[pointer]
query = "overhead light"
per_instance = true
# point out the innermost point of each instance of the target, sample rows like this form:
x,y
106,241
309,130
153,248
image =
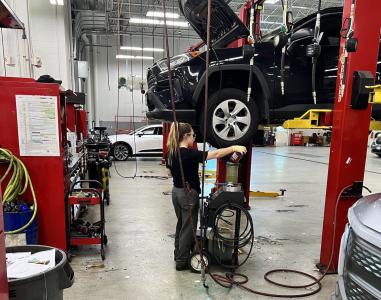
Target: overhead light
x,y
121,56
57,2
160,14
271,1
303,7
158,22
153,49
270,22
141,49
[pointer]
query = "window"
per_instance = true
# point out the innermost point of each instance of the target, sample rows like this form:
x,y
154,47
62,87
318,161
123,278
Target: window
x,y
148,131
159,130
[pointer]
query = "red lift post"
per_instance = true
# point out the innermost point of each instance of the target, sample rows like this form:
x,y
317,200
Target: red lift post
x,y
166,128
350,127
245,163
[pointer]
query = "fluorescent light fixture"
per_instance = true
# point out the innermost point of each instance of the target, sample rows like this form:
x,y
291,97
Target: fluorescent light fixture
x,y
148,21
153,49
131,48
141,49
270,22
121,56
160,14
271,1
57,2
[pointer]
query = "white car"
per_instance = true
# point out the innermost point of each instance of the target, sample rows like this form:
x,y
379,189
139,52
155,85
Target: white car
x,y
147,141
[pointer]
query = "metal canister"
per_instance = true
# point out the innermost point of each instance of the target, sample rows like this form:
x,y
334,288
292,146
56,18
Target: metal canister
x,y
232,172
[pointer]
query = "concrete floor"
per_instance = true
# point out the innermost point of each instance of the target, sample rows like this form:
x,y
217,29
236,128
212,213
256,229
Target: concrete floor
x,y
141,222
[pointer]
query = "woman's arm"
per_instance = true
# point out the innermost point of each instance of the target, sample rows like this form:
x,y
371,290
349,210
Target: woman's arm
x,y
219,153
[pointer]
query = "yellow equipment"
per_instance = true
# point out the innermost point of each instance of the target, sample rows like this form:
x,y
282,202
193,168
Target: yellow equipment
x,y
309,120
375,95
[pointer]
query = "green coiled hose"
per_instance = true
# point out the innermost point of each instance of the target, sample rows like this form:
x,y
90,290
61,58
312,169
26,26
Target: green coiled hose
x,y
17,185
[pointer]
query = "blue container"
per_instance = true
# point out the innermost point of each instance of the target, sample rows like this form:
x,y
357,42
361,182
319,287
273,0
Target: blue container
x,y
16,220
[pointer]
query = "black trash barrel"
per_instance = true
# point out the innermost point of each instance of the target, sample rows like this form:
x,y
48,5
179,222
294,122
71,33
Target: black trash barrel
x,y
47,285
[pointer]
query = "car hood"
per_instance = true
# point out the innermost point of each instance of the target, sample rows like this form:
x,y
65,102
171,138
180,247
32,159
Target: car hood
x,y
226,27
368,211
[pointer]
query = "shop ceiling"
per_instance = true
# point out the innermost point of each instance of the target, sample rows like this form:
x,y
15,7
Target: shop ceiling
x,y
101,17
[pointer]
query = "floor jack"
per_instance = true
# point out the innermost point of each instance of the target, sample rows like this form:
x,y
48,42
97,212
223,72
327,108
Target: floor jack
x,y
226,232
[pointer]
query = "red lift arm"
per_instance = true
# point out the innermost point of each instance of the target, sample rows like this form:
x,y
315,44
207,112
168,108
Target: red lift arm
x,y
350,127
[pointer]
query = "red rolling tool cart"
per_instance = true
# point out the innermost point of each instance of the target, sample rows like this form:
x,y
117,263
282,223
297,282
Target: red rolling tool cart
x,y
80,233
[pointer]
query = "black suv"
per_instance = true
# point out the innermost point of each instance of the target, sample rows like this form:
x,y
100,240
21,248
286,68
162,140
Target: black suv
x,y
233,119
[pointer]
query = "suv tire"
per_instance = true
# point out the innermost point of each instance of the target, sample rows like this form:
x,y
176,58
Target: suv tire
x,y
231,120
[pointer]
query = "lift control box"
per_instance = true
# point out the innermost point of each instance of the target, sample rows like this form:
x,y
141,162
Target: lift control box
x,y
360,92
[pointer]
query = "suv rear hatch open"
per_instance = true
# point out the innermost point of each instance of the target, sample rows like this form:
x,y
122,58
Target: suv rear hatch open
x,y
226,27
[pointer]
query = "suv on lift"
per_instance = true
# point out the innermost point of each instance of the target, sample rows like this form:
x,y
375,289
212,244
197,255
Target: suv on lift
x,y
232,119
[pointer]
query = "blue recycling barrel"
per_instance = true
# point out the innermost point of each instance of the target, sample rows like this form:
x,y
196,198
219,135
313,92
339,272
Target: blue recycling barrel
x,y
16,220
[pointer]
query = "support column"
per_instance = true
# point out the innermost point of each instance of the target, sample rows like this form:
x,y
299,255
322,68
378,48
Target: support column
x,y
350,128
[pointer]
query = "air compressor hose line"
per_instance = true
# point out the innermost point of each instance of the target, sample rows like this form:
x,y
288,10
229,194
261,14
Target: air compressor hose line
x,y
19,181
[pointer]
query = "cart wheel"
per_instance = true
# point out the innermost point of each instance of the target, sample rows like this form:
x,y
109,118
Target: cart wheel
x,y
105,240
195,261
103,254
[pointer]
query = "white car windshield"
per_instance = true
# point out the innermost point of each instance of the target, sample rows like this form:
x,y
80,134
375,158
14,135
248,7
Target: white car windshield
x,y
143,130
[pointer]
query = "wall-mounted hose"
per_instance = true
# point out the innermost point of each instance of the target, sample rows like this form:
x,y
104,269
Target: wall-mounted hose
x,y
19,181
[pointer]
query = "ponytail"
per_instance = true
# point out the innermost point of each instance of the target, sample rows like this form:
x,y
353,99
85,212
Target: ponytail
x,y
175,136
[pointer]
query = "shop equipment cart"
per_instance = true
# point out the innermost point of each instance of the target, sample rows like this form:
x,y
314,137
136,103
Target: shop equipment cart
x,y
80,232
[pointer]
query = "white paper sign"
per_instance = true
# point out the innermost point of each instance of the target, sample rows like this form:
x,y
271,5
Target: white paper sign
x,y
37,120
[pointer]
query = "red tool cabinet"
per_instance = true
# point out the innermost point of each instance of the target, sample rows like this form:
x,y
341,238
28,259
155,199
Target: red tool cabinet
x,y
50,174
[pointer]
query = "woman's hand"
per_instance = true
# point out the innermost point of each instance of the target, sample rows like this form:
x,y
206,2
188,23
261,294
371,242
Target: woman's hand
x,y
219,153
239,149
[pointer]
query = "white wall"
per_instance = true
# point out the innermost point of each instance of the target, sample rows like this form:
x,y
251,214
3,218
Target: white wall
x,y
107,98
48,31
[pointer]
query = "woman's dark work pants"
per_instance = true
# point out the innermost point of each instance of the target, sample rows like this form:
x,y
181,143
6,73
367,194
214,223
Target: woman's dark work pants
x,y
184,203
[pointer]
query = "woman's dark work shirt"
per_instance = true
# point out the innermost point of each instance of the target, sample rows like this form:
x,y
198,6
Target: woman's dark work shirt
x,y
191,159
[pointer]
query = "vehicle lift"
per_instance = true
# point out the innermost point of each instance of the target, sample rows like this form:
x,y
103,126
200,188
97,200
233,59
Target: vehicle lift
x,y
352,117
352,114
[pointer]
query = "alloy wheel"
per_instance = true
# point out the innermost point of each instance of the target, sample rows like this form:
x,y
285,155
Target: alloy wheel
x,y
120,152
231,119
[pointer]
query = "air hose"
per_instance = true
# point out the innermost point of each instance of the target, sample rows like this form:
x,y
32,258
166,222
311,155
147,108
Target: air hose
x,y
314,50
19,180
